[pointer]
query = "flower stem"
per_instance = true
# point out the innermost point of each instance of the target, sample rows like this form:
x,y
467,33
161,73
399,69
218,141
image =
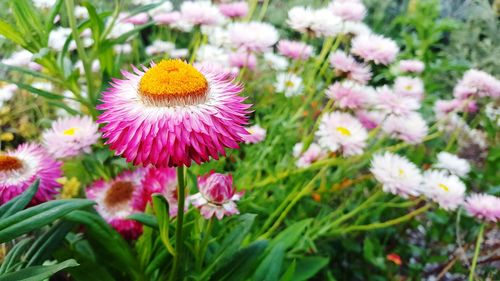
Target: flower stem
x,y
178,231
204,243
476,252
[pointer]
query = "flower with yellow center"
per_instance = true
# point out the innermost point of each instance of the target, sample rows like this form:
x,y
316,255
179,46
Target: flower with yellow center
x,y
341,131
445,189
172,114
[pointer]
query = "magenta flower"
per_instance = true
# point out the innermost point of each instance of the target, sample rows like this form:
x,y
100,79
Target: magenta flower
x,y
19,168
295,49
216,197
172,114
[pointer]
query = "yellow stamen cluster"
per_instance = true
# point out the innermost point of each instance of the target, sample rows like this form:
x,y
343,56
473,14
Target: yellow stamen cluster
x,y
70,131
9,163
344,131
173,80
444,187
119,193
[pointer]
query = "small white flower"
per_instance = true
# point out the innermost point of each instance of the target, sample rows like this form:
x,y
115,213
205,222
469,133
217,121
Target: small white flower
x,y
341,131
6,93
213,55
453,164
44,4
276,62
447,190
411,128
289,84
58,37
158,47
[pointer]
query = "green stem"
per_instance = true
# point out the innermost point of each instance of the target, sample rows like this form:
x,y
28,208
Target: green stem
x,y
479,241
253,6
178,230
204,243
263,10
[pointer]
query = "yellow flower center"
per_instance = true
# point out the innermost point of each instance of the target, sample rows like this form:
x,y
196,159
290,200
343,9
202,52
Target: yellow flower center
x,y
401,172
172,82
118,194
70,131
9,163
344,131
444,187
408,87
289,84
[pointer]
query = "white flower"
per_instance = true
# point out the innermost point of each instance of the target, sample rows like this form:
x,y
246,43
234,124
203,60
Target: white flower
x,y
123,48
325,23
217,35
276,62
409,87
341,131
313,153
58,37
179,53
447,190
45,86
44,4
453,164
392,103
253,36
120,28
158,47
355,28
81,12
201,13
289,84
397,174
213,55
301,18
411,128
6,93
164,7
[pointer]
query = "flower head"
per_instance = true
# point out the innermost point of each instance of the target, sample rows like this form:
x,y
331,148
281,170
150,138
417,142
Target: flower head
x,y
409,87
341,131
70,136
390,102
483,206
216,197
312,154
315,22
295,49
200,13
167,18
234,9
411,128
19,168
447,190
351,10
413,66
256,134
253,36
348,94
346,65
241,59
7,92
115,201
376,48
453,164
173,113
397,174
477,83
288,83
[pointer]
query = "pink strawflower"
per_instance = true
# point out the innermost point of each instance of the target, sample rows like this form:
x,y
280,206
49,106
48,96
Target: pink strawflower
x,y
138,19
411,128
295,49
200,13
391,103
167,18
234,9
340,131
477,83
409,87
483,206
376,48
347,94
253,36
158,181
444,107
241,59
445,189
71,136
346,65
349,10
411,66
256,134
313,153
172,113
217,196
19,168
370,119
115,201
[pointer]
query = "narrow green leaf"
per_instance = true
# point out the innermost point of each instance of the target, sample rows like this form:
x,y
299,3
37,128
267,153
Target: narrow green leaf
x,y
292,233
23,70
270,267
35,91
53,13
37,273
14,254
9,32
18,203
288,275
48,242
309,267
145,219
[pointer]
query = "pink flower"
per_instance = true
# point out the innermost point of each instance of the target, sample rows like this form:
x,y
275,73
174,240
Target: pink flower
x,y
391,103
167,18
413,66
216,197
295,49
376,48
345,65
242,59
257,134
350,10
234,10
443,107
200,13
347,94
115,201
370,119
138,19
411,128
313,153
20,168
172,113
409,87
477,83
253,36
483,206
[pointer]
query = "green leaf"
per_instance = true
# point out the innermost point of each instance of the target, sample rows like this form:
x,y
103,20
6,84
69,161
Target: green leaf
x,y
36,91
145,219
14,254
48,242
37,273
53,13
38,216
288,275
18,203
9,32
292,234
270,268
309,267
36,74
239,266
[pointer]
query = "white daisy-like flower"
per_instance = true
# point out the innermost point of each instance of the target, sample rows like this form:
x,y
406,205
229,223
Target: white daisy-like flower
x,y
81,12
58,37
201,13
123,48
276,62
214,55
409,87
411,128
120,28
447,190
397,174
289,84
326,24
390,102
253,36
159,47
341,131
453,164
217,36
301,19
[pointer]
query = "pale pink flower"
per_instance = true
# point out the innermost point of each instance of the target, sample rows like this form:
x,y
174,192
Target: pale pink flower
x,y
411,66
341,131
376,48
477,83
312,154
200,13
217,196
411,128
409,87
370,119
138,19
241,59
167,18
234,9
444,107
346,65
391,103
351,10
347,94
256,134
253,36
295,49
483,206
